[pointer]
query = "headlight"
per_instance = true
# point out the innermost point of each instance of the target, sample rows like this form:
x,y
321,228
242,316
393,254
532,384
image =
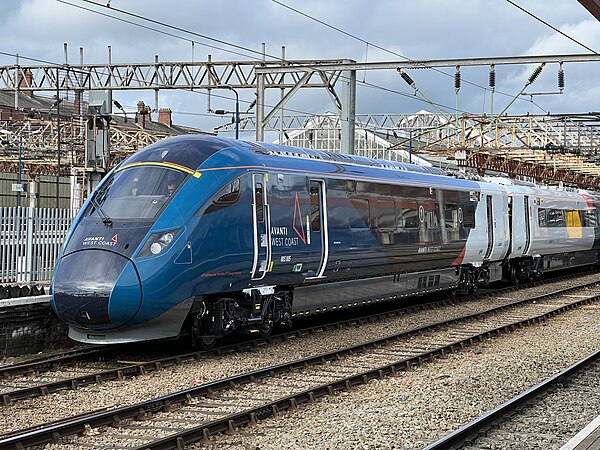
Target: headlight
x,y
158,242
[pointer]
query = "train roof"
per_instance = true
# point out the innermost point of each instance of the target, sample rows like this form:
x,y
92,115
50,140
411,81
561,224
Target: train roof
x,y
192,150
189,150
282,150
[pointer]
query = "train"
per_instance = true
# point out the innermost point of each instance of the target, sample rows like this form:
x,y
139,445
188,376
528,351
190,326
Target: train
x,y
204,236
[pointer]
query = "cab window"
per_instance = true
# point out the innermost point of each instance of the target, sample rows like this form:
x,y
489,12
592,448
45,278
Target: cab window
x,y
227,196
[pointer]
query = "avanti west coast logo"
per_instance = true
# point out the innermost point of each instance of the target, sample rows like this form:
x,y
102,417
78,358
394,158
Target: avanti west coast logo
x,y
100,241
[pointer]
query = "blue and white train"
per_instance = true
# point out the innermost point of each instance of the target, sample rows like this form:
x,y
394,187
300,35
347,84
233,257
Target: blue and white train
x,y
204,235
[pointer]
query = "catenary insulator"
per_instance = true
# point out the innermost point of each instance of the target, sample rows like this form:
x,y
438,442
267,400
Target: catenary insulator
x,y
492,77
457,79
536,73
561,78
406,77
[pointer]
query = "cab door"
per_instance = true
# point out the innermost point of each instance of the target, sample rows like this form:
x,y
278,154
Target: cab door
x,y
261,227
318,234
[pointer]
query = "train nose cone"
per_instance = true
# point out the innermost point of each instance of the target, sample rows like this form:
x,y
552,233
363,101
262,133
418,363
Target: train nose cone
x,y
96,289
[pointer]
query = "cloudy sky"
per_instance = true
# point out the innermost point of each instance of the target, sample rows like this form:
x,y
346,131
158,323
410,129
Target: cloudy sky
x,y
416,29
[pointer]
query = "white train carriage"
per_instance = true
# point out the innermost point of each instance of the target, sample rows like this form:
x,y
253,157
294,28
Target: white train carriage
x,y
546,229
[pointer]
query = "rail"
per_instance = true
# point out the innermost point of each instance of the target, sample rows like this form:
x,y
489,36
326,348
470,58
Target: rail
x,y
65,427
484,422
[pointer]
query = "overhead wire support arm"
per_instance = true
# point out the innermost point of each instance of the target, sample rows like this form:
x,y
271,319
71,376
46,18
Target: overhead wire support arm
x,y
536,73
407,78
560,84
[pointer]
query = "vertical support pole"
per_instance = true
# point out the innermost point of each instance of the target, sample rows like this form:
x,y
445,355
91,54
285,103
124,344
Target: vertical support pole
x,y
19,178
17,82
410,145
260,107
281,135
348,113
456,91
260,101
29,246
58,138
157,78
33,193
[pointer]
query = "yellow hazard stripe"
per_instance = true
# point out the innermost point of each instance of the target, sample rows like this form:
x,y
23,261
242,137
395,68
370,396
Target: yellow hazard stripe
x,y
170,165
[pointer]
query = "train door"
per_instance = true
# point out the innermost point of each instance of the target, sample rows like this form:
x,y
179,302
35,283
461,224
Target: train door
x,y
490,227
318,232
261,225
527,225
512,234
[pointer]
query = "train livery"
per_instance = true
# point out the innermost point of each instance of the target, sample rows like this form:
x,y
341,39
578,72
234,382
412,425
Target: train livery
x,y
203,235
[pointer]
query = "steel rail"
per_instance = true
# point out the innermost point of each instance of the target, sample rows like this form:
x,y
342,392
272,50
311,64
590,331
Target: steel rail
x,y
231,423
484,422
133,370
45,364
54,431
143,368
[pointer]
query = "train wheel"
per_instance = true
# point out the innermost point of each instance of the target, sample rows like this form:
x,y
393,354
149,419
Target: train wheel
x,y
514,275
267,328
206,342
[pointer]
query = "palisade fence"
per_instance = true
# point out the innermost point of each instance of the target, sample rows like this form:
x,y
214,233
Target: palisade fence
x,y
30,242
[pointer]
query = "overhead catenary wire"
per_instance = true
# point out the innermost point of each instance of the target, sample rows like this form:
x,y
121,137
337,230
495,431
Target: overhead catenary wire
x,y
227,43
552,27
180,29
146,27
353,36
219,40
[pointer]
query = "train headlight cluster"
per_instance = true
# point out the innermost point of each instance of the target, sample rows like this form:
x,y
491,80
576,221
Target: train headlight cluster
x,y
158,242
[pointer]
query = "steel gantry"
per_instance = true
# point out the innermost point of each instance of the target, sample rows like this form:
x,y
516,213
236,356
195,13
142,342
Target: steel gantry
x,y
160,75
287,75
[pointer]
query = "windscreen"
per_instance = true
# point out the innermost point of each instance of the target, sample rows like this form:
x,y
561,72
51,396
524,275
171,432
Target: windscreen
x,y
135,193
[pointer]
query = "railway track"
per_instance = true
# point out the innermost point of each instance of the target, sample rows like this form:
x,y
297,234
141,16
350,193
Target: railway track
x,y
537,414
77,368
195,414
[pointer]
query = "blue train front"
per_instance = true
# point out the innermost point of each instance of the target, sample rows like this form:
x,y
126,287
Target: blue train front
x,y
136,263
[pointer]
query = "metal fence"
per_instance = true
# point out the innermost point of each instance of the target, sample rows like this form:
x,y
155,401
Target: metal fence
x,y
30,241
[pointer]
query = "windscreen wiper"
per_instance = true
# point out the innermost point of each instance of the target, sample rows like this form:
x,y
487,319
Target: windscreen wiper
x,y
106,220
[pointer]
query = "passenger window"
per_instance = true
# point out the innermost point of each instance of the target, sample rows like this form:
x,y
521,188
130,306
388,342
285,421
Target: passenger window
x,y
542,219
556,218
351,186
451,215
386,214
468,213
410,215
431,217
590,218
359,214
